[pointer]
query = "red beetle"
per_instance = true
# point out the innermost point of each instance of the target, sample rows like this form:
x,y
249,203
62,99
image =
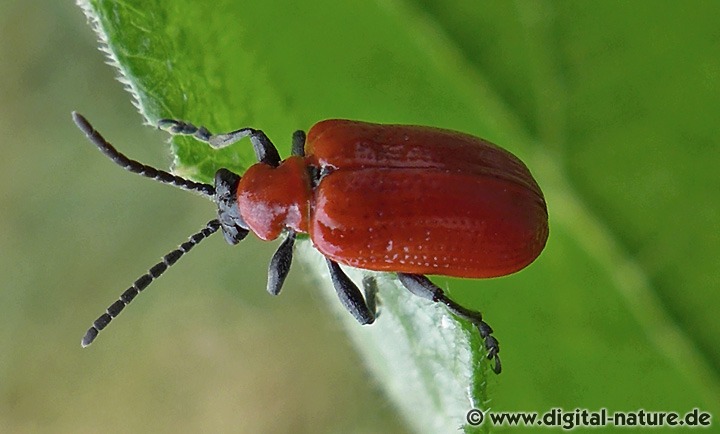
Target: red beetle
x,y
405,199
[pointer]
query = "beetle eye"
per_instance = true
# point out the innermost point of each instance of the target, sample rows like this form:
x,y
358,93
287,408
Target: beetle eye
x,y
233,226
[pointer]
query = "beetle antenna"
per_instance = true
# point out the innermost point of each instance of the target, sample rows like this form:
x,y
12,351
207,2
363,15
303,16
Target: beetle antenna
x,y
135,166
143,281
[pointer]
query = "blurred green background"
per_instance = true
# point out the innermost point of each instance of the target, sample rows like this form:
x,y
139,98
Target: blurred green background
x,y
76,231
614,106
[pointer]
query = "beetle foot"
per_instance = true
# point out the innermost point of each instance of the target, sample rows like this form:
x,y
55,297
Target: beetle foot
x,y
370,288
491,345
181,128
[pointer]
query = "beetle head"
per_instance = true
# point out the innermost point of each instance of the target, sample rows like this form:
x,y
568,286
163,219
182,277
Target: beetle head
x,y
233,226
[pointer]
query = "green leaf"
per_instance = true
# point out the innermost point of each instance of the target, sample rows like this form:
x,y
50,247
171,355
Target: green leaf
x,y
612,105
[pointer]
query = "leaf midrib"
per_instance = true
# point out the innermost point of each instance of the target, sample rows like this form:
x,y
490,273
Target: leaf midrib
x,y
632,283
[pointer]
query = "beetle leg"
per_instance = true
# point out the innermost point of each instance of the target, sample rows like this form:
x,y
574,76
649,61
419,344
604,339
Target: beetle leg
x,y
280,264
298,143
423,287
370,288
265,151
350,295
